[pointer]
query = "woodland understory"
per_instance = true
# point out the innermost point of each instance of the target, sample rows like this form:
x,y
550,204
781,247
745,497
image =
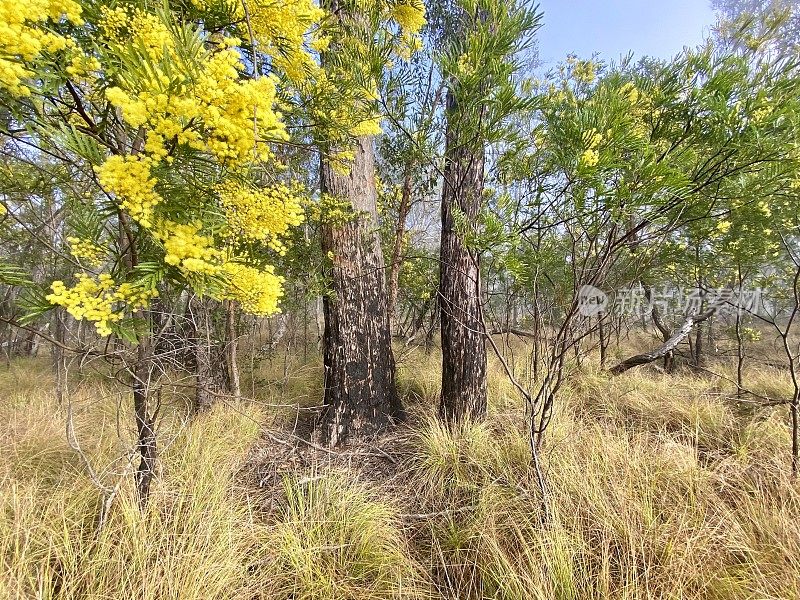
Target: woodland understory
x,y
658,485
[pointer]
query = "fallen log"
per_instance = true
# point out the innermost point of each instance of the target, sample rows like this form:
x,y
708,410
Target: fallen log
x,y
669,346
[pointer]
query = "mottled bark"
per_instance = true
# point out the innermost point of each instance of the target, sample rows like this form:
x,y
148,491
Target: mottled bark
x,y
463,335
360,397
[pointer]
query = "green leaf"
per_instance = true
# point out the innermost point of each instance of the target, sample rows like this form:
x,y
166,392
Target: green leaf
x,y
13,275
33,303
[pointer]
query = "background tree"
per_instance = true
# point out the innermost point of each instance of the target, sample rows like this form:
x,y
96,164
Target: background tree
x,y
759,24
478,64
360,396
633,171
168,136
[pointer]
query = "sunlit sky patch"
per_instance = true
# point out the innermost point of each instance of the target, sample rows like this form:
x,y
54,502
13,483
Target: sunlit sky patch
x,y
613,28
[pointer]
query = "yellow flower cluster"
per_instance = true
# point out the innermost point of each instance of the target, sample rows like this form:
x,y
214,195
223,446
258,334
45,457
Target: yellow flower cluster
x,y
257,290
465,66
407,45
262,215
762,113
629,92
113,21
143,28
187,249
332,210
280,29
23,36
82,66
87,250
584,71
206,106
367,127
193,97
129,179
343,113
342,161
591,157
100,299
409,14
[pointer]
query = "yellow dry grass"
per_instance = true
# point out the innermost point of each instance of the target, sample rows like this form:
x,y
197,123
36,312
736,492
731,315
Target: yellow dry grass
x,y
657,487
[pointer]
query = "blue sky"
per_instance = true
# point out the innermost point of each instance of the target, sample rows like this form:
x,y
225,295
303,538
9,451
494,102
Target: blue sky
x,y
658,28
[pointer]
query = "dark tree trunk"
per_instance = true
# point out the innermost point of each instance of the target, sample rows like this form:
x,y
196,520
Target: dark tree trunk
x,y
604,339
397,244
698,347
360,397
463,334
145,420
207,355
434,315
231,349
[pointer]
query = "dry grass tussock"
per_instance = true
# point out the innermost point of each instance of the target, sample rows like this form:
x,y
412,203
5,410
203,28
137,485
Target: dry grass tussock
x,y
658,486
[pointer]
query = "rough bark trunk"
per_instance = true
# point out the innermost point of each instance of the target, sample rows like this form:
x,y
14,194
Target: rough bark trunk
x,y
231,348
206,353
145,420
462,329
397,245
604,339
360,397
698,347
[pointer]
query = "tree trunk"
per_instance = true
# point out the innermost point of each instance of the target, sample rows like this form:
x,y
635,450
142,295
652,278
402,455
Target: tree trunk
x,y
793,411
463,335
145,420
360,397
231,349
207,355
59,363
397,246
740,354
698,346
604,339
655,314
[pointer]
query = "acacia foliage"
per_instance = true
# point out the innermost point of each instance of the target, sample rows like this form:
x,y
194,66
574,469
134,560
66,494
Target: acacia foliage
x,y
172,120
